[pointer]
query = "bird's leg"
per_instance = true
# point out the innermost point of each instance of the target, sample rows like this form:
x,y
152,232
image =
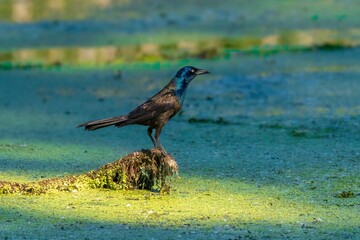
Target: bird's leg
x,y
157,142
150,135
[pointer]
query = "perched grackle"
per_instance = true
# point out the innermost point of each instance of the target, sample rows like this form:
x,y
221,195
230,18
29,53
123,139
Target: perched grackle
x,y
156,111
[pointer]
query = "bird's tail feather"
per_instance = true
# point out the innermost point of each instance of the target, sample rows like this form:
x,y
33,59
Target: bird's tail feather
x,y
93,125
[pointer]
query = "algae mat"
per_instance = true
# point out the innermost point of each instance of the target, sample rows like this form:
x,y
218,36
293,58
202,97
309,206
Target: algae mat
x,y
268,152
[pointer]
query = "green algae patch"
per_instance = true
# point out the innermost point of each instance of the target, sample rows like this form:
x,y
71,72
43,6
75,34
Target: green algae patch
x,y
221,207
345,194
303,131
144,169
219,120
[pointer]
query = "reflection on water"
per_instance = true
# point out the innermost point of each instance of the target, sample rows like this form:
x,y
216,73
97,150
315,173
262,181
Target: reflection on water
x,y
196,49
21,11
35,10
57,32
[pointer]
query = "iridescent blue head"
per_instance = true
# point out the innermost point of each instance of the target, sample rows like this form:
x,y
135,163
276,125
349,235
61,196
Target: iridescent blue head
x,y
183,77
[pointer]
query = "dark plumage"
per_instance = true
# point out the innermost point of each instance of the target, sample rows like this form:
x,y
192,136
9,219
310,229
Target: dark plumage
x,y
156,111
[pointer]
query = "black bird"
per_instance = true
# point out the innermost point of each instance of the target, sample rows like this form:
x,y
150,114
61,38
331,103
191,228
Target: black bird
x,y
156,111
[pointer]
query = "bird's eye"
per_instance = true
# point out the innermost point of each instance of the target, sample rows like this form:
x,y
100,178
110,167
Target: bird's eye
x,y
192,70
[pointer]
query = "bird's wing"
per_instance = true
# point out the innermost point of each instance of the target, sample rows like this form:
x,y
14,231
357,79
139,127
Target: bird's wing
x,y
148,111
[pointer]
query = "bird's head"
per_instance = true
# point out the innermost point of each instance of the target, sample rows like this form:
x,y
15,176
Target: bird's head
x,y
183,77
188,73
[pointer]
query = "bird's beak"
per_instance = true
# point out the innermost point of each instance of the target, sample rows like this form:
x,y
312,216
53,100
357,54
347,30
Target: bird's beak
x,y
201,72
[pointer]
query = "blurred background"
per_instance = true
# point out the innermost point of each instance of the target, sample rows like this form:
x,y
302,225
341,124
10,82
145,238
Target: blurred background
x,y
98,32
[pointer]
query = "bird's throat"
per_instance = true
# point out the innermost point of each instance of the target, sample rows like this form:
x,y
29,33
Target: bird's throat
x,y
180,93
180,89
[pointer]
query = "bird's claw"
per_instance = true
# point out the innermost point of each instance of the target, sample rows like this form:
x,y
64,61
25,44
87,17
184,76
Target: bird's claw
x,y
162,150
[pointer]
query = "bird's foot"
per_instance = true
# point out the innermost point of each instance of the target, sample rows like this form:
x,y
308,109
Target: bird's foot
x,y
162,149
164,152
